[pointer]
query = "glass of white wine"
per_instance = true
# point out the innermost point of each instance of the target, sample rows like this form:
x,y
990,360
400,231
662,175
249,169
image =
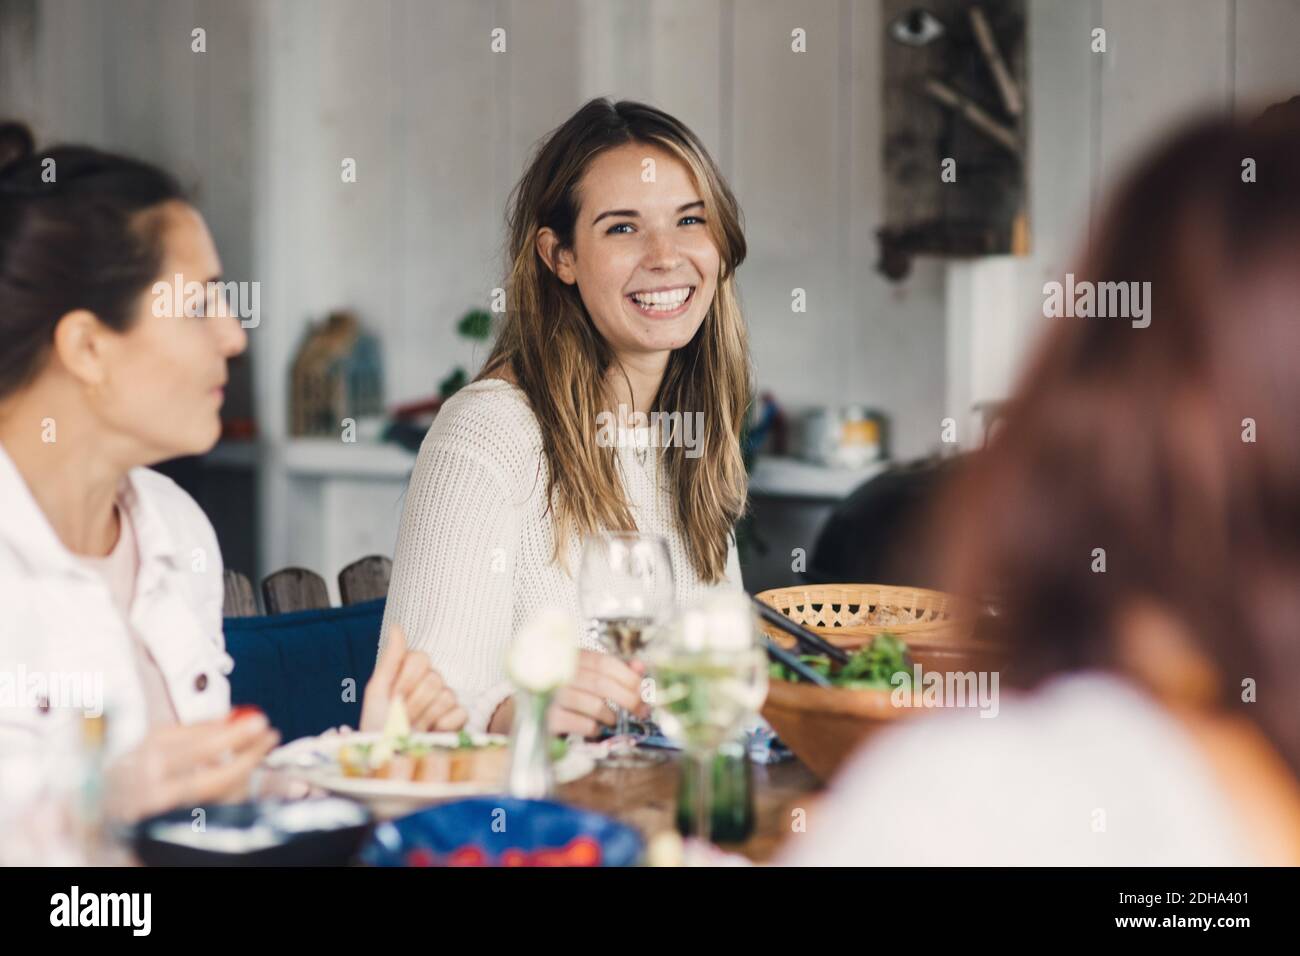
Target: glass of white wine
x,y
710,673
627,591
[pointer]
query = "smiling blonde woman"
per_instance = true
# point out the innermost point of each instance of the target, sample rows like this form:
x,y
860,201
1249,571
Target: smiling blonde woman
x,y
624,244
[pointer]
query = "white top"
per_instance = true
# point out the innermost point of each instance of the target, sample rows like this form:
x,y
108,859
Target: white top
x,y
1088,771
119,569
473,558
66,649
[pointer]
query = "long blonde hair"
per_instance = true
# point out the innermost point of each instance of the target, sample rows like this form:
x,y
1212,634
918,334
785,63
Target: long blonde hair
x,y
559,359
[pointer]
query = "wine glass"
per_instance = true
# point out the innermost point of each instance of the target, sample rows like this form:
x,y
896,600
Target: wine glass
x,y
710,673
626,590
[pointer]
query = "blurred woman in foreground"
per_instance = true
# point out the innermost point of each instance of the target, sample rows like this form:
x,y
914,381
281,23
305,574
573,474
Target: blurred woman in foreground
x,y
1162,719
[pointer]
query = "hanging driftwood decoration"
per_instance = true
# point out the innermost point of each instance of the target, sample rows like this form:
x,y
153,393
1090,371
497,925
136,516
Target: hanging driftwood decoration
x,y
955,130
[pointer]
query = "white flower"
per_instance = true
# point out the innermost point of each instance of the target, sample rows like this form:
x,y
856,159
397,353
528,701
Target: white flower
x,y
544,655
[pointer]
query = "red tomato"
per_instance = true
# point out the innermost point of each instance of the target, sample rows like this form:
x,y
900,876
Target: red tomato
x,y
242,711
548,857
420,857
468,856
582,851
514,858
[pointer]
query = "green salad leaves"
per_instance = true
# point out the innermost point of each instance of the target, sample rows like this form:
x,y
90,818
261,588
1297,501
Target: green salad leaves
x,y
871,667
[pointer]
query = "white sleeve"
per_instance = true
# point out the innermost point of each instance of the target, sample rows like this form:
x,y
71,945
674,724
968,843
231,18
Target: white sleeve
x,y
453,572
919,795
28,735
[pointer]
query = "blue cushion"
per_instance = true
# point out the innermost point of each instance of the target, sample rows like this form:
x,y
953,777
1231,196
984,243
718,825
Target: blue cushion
x,y
293,666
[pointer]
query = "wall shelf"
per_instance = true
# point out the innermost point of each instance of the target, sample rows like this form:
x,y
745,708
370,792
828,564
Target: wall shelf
x,y
329,457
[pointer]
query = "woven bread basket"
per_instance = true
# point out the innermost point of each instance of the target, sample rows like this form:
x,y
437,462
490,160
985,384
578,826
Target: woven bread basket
x,y
849,615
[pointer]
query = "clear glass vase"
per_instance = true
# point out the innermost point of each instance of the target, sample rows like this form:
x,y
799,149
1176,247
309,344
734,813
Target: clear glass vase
x,y
531,776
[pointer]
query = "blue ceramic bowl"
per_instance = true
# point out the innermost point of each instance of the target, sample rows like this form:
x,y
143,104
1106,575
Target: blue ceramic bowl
x,y
495,825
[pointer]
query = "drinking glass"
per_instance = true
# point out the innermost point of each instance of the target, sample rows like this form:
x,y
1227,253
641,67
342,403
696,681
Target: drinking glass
x,y
710,672
626,590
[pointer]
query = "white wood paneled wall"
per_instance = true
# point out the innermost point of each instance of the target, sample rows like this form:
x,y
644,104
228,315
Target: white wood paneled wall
x,y
441,127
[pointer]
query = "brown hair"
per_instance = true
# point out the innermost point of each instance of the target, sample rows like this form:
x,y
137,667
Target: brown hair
x,y
559,359
71,237
1136,440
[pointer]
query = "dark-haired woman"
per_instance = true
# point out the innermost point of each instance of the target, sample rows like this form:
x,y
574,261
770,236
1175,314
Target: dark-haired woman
x,y
1139,518
110,575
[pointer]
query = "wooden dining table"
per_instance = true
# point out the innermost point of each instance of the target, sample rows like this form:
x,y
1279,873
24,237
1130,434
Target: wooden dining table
x,y
642,797
646,798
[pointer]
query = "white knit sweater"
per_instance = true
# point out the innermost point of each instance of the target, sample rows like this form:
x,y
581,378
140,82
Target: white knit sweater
x,y
474,551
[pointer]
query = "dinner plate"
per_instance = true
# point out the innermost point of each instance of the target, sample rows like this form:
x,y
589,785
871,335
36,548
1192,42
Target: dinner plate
x,y
315,760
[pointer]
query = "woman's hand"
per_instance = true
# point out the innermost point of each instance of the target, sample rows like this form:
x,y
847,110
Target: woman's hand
x,y
430,703
580,708
188,765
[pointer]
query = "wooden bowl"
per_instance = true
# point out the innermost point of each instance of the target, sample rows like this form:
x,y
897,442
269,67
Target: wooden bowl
x,y
825,725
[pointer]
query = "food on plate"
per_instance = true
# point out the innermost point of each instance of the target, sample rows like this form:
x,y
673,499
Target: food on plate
x,y
870,667
409,758
400,755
